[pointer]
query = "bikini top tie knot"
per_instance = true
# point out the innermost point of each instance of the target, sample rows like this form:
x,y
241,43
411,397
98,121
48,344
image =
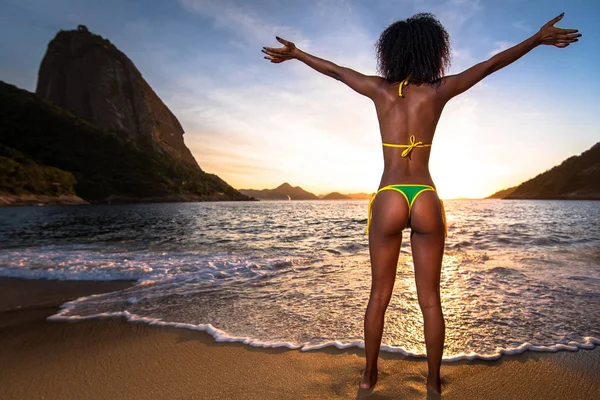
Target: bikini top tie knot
x,y
408,147
412,144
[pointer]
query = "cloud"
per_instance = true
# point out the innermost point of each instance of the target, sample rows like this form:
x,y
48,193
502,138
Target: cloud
x,y
454,14
276,116
334,8
500,46
246,24
522,25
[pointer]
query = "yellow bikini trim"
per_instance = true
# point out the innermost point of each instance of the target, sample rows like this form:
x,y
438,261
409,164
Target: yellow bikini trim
x,y
408,147
444,217
389,187
369,211
417,195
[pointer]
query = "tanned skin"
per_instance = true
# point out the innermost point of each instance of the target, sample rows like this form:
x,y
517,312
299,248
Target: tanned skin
x,y
417,113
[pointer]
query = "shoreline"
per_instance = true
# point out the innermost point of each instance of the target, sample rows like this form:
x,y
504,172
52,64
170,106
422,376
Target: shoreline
x,y
221,336
113,358
16,200
11,200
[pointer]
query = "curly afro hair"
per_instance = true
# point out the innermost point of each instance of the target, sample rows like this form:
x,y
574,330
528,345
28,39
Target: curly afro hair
x,y
417,48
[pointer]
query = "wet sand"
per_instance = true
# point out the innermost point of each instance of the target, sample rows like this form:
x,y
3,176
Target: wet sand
x,y
114,359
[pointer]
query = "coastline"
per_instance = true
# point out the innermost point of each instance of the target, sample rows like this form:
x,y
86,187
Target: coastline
x,y
112,358
12,200
9,199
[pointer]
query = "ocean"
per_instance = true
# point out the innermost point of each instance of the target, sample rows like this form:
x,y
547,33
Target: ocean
x,y
517,275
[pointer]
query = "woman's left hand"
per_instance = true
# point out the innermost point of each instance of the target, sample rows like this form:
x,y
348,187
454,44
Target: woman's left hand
x,y
281,54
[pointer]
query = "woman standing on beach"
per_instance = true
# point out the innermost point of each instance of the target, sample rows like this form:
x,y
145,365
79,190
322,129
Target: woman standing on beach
x,y
409,97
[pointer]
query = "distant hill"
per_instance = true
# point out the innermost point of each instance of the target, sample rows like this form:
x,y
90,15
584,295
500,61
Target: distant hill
x,y
297,193
359,196
576,178
502,193
282,192
336,196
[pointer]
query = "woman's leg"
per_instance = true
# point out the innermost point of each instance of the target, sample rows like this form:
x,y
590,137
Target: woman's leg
x,y
427,242
389,216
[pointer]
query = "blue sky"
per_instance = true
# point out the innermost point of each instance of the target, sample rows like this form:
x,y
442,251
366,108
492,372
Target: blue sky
x,y
257,124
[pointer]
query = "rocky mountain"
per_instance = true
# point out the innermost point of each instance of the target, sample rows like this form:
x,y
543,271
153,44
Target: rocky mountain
x,y
282,192
336,196
576,178
100,123
88,76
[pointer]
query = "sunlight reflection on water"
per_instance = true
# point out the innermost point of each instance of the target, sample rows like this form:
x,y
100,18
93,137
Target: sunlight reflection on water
x,y
514,272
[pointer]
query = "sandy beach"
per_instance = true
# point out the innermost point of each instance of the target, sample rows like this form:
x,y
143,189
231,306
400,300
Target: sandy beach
x,y
114,359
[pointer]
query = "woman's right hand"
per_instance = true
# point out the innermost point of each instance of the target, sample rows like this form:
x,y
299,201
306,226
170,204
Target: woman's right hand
x,y
558,37
280,54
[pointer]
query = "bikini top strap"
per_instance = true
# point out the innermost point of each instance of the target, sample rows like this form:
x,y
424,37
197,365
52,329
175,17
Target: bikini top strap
x,y
402,84
408,147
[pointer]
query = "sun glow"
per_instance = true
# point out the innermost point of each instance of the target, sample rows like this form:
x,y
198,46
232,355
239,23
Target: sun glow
x,y
324,145
258,124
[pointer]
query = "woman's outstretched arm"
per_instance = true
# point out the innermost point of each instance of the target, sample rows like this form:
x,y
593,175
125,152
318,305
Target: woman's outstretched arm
x,y
366,85
453,85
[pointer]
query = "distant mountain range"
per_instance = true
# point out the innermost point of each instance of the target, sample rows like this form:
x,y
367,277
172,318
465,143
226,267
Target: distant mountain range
x,y
281,192
576,178
289,192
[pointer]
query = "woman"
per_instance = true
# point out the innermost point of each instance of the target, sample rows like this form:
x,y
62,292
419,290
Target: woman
x,y
409,97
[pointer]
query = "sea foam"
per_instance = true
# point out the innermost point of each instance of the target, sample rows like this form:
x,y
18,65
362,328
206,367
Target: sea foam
x,y
219,335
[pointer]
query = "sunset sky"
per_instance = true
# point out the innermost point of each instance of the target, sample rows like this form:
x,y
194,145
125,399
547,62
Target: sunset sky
x,y
257,124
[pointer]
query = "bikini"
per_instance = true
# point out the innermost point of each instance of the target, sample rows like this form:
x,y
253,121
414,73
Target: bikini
x,y
409,191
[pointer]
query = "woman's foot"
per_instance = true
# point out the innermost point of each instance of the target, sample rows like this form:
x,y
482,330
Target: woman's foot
x,y
434,385
368,380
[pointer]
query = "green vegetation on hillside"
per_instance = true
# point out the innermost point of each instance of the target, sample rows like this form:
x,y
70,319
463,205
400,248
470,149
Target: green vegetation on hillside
x,y
102,163
20,175
576,178
500,194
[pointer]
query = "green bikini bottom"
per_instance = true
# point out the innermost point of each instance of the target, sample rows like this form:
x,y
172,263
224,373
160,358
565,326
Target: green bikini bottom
x,y
410,193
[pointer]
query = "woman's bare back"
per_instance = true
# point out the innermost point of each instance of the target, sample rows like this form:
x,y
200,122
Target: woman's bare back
x,y
415,113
